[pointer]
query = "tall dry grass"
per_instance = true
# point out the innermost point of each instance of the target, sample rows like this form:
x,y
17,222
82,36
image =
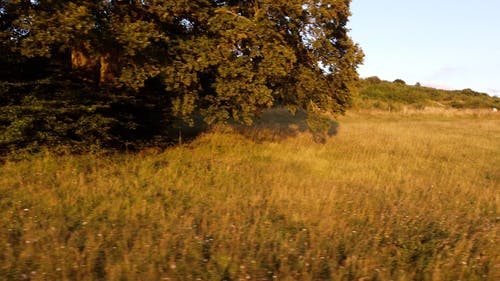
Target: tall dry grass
x,y
384,197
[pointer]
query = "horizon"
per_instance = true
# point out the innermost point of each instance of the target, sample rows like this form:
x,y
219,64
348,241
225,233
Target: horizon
x,y
451,45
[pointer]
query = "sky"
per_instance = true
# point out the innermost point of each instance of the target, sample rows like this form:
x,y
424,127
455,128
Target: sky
x,y
448,44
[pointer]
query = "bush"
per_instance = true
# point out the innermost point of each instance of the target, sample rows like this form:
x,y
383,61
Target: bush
x,y
372,80
63,113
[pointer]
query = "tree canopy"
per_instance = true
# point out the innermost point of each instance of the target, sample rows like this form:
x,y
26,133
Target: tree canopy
x,y
151,61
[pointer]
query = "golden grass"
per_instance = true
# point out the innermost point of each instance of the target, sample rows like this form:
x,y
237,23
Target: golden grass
x,y
385,197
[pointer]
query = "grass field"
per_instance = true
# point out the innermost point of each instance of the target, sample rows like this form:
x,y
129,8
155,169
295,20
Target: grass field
x,y
385,196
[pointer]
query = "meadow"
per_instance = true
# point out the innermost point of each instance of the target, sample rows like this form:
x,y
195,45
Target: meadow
x,y
412,195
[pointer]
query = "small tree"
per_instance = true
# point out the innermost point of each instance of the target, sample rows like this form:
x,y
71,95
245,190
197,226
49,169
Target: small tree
x,y
399,81
373,80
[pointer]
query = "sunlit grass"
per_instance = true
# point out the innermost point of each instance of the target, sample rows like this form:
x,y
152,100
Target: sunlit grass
x,y
386,196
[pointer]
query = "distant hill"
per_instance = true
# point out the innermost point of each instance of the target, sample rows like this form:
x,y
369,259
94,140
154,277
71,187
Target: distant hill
x,y
379,94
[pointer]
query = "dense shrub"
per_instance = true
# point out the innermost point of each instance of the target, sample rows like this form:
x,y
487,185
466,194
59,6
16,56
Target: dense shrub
x,y
58,112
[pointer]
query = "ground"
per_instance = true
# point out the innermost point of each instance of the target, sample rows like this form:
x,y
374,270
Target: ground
x,y
404,196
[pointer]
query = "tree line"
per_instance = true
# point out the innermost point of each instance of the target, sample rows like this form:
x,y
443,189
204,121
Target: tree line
x,y
118,73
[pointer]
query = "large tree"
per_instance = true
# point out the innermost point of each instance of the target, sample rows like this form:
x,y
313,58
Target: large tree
x,y
221,59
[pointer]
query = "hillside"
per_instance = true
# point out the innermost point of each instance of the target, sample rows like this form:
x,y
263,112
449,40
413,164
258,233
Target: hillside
x,y
394,96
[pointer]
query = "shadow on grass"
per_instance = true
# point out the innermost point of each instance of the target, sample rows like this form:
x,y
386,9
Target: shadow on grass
x,y
274,125
278,124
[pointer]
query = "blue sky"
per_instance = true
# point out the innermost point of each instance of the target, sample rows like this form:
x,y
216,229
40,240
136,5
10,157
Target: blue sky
x,y
450,44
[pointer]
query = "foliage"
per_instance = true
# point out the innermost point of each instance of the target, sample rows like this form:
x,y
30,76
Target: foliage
x,y
379,94
73,115
399,81
389,197
220,59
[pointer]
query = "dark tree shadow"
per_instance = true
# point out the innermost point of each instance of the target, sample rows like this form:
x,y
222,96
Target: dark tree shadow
x,y
275,124
278,124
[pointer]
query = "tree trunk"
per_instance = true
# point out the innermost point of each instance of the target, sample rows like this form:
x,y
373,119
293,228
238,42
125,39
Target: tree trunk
x,y
83,65
95,69
106,71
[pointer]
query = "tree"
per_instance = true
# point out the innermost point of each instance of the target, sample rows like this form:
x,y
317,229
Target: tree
x,y
399,81
372,80
222,59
